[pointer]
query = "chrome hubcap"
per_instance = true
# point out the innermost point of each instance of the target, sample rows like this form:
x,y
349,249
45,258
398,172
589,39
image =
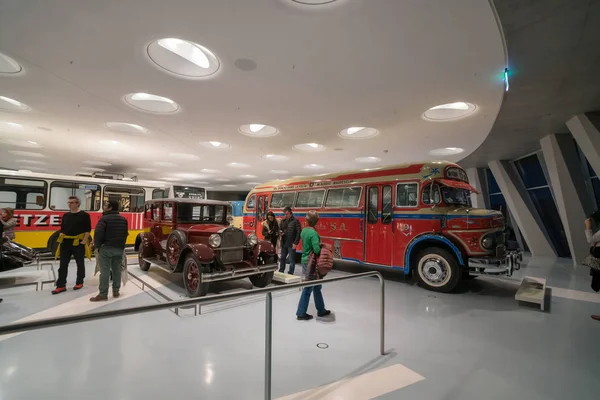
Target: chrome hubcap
x,y
434,270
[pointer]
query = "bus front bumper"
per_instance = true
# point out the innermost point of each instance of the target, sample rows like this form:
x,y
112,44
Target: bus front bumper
x,y
504,265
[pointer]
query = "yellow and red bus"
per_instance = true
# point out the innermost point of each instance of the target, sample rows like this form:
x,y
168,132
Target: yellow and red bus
x,y
414,217
40,200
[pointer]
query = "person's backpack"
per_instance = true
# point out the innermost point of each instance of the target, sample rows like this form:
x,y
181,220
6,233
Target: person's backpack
x,y
324,260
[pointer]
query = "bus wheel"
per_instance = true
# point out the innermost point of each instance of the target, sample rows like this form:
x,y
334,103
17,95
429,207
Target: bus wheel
x,y
438,270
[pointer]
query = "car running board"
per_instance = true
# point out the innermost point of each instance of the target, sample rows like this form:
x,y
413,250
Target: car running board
x,y
160,264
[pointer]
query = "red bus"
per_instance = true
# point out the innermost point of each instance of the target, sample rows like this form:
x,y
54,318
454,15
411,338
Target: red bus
x,y
413,217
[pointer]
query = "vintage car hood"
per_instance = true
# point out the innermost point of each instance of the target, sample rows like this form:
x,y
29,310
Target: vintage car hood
x,y
474,218
205,228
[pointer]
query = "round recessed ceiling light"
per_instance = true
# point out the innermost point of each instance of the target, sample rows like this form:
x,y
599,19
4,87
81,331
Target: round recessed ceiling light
x,y
21,143
151,103
313,2
184,156
229,185
314,166
146,169
183,58
200,183
279,171
258,130
252,183
8,104
33,162
367,159
446,151
185,175
97,163
248,176
209,171
222,180
170,179
164,164
27,154
309,147
10,127
274,157
93,169
109,142
30,168
8,65
213,144
358,132
126,128
237,165
450,111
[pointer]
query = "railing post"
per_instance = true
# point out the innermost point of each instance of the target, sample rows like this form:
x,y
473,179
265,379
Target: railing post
x,y
268,344
382,318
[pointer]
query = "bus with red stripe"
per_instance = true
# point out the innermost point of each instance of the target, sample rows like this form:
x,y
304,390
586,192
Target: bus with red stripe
x,y
413,218
40,201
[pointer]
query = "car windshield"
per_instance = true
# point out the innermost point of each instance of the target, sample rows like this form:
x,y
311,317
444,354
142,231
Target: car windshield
x,y
200,213
454,196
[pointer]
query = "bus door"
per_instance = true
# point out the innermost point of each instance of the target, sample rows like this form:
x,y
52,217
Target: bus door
x,y
379,233
260,212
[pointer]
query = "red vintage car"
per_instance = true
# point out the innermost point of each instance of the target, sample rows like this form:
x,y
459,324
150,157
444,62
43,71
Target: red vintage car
x,y
195,237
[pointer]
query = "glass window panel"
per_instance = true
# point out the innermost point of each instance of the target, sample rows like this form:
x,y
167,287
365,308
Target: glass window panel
x,y
407,194
250,203
22,194
372,206
531,171
282,200
493,187
545,206
346,197
130,199
89,195
310,198
387,208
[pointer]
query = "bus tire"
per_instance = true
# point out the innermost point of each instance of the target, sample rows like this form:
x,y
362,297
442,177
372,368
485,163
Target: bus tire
x,y
438,270
53,243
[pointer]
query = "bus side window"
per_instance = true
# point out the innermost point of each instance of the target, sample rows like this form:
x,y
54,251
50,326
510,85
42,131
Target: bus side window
x,y
407,194
250,203
159,194
281,200
346,197
387,210
148,211
22,194
426,193
130,199
89,195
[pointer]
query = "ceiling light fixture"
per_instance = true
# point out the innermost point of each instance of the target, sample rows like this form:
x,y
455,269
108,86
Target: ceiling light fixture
x,y
248,176
164,164
20,142
367,159
184,58
221,180
146,169
449,111
27,154
274,157
237,165
313,2
229,185
446,151
126,128
184,156
10,126
93,169
258,130
209,171
213,144
8,104
358,132
8,65
314,166
97,163
309,147
151,103
35,162
279,171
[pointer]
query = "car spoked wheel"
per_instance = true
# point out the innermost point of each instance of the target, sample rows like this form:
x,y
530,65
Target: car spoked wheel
x,y
192,277
264,279
175,244
438,270
144,265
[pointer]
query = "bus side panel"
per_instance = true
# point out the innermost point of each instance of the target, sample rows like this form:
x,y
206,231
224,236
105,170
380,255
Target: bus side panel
x,y
34,228
407,225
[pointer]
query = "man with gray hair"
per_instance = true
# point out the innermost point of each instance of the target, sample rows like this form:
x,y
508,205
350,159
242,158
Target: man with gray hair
x,y
311,244
75,229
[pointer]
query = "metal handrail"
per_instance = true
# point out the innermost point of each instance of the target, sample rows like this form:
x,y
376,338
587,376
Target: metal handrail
x,y
77,318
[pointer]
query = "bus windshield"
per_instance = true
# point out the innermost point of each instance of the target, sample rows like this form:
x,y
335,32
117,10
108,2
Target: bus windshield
x,y
456,197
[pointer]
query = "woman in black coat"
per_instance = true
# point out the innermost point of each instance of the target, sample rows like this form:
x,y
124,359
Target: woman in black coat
x,y
270,229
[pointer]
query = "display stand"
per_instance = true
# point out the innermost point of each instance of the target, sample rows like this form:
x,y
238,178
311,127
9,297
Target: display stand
x,y
282,277
532,290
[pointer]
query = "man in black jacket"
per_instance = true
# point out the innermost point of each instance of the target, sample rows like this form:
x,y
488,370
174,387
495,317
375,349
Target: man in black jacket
x,y
110,237
290,237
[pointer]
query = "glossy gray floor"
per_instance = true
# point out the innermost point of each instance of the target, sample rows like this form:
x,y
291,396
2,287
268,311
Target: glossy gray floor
x,y
475,344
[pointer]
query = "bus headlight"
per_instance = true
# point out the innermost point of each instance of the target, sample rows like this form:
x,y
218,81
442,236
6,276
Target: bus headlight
x,y
488,242
214,240
252,240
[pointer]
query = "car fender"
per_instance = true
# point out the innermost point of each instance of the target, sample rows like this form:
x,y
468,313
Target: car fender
x,y
204,253
434,239
147,243
264,246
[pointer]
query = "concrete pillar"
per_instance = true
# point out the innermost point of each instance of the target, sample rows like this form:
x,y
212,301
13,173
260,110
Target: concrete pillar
x,y
478,180
522,209
566,179
587,135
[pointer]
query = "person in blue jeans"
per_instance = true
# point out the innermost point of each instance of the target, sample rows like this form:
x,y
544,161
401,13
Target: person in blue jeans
x,y
290,237
311,243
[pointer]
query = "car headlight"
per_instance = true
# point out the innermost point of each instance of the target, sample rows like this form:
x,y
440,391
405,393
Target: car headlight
x,y
214,240
487,242
252,239
229,219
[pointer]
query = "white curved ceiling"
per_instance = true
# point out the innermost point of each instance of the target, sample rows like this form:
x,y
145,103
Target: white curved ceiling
x,y
308,71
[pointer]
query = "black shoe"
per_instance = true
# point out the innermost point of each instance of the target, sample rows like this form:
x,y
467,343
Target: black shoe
x,y
305,317
324,313
1,300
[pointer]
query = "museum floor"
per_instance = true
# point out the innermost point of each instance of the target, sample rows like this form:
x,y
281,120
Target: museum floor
x,y
475,344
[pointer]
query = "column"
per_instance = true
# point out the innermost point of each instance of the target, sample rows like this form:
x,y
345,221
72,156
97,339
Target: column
x,y
478,180
566,179
584,128
522,209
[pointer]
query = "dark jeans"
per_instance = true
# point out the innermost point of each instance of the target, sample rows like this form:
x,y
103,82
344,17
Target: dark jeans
x,y
305,298
67,250
285,250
